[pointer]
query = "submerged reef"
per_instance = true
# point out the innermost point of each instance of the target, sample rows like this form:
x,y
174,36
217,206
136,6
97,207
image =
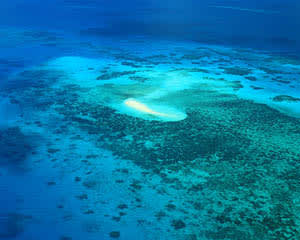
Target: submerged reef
x,y
14,147
32,78
12,225
233,163
227,138
251,78
237,71
108,76
283,98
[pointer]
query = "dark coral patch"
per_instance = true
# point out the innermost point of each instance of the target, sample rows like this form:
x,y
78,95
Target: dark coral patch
x,y
237,71
112,75
178,224
256,88
251,78
285,98
14,147
114,234
33,78
11,225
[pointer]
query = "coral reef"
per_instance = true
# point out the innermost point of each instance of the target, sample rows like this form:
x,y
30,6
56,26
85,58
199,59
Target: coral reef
x,y
283,98
229,170
14,147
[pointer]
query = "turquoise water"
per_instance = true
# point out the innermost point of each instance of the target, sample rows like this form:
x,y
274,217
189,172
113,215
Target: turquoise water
x,y
149,120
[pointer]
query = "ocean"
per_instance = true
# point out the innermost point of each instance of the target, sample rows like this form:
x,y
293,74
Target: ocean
x,y
149,120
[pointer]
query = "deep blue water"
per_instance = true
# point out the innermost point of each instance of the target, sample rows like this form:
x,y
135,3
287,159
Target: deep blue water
x,y
194,20
219,160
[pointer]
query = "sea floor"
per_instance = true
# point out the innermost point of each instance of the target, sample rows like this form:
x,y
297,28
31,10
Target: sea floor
x,y
107,138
